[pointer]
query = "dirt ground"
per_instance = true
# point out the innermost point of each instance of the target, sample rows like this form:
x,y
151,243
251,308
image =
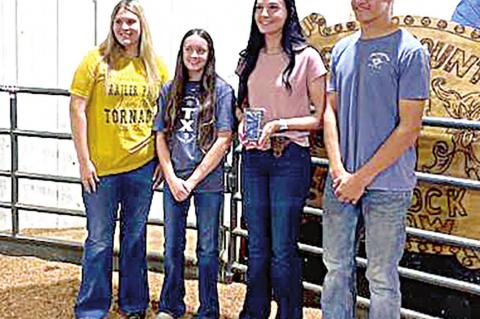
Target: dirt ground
x,y
32,288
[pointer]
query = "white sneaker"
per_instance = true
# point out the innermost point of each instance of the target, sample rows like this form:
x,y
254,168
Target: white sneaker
x,y
164,315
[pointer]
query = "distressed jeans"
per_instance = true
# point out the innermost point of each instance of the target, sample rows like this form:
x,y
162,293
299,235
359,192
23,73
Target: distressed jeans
x,y
274,191
132,192
208,207
384,215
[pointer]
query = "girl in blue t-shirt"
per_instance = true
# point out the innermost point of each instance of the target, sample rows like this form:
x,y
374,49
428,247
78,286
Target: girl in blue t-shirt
x,y
193,134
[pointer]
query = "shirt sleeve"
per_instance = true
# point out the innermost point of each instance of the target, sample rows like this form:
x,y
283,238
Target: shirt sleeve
x,y
159,123
332,82
224,109
84,78
162,70
414,81
316,68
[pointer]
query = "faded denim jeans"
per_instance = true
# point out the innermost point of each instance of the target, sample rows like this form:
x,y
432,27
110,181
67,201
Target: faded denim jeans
x,y
208,207
132,192
384,214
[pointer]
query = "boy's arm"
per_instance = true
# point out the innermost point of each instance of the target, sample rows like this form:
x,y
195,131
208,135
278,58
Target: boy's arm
x,y
351,187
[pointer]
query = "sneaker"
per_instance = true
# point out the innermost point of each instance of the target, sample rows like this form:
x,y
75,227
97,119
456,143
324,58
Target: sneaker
x,y
136,315
164,315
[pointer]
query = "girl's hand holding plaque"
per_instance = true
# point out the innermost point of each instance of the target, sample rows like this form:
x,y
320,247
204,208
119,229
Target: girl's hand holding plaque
x,y
250,129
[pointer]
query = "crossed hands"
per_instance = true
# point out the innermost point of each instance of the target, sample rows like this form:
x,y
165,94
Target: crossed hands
x,y
348,187
180,188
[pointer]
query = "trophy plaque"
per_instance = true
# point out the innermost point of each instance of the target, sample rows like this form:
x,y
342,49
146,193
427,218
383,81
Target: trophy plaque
x,y
253,123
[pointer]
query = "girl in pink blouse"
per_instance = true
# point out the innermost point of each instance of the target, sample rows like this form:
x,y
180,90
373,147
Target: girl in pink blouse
x,y
285,78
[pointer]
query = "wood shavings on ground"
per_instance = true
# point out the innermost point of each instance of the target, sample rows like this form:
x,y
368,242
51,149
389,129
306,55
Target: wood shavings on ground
x,y
31,288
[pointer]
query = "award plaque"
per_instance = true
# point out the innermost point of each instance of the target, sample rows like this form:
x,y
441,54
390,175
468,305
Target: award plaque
x,y
253,123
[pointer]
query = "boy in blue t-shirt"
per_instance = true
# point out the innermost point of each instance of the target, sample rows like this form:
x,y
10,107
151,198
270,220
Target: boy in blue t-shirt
x,y
379,83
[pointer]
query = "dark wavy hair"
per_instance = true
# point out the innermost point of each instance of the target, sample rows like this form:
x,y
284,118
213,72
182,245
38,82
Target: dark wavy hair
x,y
292,40
206,117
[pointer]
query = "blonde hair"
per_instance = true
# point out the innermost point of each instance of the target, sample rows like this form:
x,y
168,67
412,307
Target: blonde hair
x,y
112,50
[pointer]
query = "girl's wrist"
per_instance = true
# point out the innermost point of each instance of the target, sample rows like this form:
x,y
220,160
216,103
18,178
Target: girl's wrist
x,y
281,125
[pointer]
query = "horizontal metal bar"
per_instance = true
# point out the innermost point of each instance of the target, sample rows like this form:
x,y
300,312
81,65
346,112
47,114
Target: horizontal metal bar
x,y
33,90
450,122
51,210
444,238
5,173
432,279
75,213
313,211
441,281
42,134
46,248
79,213
4,131
319,161
448,180
48,178
311,249
6,205
312,287
161,222
361,301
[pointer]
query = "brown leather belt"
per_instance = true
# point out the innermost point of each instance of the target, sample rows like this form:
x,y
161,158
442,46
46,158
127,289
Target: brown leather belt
x,y
279,144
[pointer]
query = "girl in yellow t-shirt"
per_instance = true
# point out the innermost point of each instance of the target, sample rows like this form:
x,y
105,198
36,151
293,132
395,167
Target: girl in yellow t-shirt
x,y
113,104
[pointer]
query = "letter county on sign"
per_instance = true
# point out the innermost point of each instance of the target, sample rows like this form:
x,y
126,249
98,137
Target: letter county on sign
x,y
455,93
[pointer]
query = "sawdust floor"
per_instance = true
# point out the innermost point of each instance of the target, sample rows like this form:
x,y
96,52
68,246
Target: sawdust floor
x,y
32,288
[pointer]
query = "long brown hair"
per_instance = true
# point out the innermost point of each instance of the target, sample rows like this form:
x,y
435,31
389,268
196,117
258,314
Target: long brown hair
x,y
206,118
112,50
293,41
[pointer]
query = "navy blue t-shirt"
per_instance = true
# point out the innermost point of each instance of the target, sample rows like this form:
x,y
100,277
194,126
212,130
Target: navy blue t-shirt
x,y
185,152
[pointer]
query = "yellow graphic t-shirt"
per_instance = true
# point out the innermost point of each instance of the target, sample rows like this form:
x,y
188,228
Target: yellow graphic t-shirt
x,y
120,111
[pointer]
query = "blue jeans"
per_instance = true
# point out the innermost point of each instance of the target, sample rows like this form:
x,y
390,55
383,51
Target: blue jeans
x,y
208,207
132,191
384,215
274,193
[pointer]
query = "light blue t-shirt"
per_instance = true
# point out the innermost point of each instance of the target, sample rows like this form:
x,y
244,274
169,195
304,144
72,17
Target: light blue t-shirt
x,y
370,77
185,152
